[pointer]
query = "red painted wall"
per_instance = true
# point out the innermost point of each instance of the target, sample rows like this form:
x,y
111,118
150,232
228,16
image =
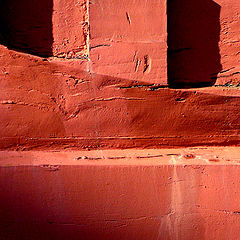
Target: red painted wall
x,y
128,39
229,42
203,41
112,98
70,29
79,75
49,195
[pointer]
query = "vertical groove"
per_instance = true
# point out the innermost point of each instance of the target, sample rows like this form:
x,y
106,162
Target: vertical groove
x,y
88,30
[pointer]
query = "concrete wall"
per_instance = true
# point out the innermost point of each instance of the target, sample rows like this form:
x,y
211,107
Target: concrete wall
x,y
129,39
148,195
70,29
203,41
58,105
78,75
229,42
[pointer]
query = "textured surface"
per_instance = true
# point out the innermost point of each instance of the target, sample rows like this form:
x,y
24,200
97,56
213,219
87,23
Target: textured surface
x,y
45,28
128,39
180,194
70,28
115,98
229,42
59,104
204,42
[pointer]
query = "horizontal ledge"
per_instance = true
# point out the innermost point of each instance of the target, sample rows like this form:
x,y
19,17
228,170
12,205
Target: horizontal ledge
x,y
51,160
127,142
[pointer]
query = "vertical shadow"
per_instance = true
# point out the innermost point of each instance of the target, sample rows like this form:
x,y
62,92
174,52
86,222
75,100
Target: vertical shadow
x,y
26,25
193,36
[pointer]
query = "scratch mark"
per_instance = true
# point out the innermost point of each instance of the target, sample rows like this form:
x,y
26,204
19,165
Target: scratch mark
x,y
7,102
180,99
227,70
116,98
87,158
134,56
116,157
100,45
223,76
137,65
155,156
137,86
147,64
51,168
128,18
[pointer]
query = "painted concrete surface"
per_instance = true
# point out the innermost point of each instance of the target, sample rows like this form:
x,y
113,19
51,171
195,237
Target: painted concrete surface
x,y
134,76
195,42
101,78
50,102
182,194
128,39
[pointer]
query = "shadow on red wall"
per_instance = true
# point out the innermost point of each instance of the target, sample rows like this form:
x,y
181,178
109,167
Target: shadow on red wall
x,y
193,36
26,26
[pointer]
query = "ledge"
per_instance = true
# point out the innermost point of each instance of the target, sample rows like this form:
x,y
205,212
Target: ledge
x,y
129,157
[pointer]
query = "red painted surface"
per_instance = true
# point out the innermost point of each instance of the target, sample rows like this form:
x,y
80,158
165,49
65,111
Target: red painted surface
x,y
55,102
70,28
229,43
188,194
128,39
203,41
102,84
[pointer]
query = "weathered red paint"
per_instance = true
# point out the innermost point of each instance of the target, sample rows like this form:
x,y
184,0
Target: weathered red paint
x,y
93,75
229,42
203,38
186,194
70,29
128,39
55,102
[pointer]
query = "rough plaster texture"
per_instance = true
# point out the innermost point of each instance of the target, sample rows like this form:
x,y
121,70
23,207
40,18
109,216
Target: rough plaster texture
x,y
56,103
70,28
190,194
81,76
229,42
128,39
204,42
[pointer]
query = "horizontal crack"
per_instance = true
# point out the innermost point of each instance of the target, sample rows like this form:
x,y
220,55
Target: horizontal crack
x,y
100,45
116,98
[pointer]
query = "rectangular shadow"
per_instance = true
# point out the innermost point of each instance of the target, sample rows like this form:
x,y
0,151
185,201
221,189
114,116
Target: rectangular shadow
x,y
26,25
193,37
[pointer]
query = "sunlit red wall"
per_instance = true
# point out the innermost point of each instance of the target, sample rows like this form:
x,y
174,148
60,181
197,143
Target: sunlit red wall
x,y
96,75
